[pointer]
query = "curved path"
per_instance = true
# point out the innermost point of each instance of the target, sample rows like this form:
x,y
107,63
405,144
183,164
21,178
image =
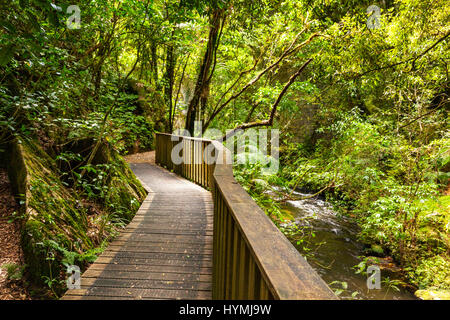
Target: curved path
x,y
166,250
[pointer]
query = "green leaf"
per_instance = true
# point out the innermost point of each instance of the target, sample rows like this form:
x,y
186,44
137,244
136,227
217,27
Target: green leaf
x,y
6,54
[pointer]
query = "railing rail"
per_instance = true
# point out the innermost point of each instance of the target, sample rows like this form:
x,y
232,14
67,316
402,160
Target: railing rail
x,y
252,259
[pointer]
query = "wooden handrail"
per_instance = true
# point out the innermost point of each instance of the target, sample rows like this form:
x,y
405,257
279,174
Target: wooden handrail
x,y
252,259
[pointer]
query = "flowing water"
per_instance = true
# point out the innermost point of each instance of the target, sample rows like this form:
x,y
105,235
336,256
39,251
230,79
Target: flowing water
x,y
334,251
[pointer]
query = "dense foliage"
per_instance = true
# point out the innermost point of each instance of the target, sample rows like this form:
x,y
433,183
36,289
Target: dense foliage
x,y
363,112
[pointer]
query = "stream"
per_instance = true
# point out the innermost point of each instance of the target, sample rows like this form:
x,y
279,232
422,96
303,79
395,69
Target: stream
x,y
333,251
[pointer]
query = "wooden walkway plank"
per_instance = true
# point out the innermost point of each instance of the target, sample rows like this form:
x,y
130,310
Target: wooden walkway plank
x,y
99,266
166,250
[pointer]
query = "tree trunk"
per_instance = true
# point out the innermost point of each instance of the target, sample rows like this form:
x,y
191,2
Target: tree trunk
x,y
154,64
168,84
201,90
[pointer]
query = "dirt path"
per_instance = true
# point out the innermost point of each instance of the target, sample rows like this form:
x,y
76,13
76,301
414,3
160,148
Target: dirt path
x,y
10,249
144,157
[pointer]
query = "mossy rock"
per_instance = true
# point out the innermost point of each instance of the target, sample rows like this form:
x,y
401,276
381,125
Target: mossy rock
x,y
377,249
16,168
50,210
121,182
35,254
286,215
433,294
55,224
151,103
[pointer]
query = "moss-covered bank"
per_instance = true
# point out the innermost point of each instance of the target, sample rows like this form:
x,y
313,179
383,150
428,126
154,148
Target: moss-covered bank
x,y
58,228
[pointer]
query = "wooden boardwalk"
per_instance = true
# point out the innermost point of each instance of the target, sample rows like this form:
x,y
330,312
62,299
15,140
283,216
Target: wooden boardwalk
x,y
166,250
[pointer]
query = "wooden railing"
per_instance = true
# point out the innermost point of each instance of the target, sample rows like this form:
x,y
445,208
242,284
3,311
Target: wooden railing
x,y
252,259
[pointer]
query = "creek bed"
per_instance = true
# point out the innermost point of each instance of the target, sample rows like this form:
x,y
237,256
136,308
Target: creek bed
x,y
333,251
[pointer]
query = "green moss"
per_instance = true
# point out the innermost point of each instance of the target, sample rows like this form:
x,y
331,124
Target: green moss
x,y
432,273
286,215
118,189
377,249
16,168
35,254
52,213
56,229
434,211
433,294
125,192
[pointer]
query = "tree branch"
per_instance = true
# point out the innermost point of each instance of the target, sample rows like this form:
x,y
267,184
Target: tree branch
x,y
413,59
289,51
269,121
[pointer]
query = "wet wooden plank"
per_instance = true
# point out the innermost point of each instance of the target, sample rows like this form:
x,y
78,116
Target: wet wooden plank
x,y
151,284
98,266
157,256
109,273
179,231
166,248
189,238
137,293
154,262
